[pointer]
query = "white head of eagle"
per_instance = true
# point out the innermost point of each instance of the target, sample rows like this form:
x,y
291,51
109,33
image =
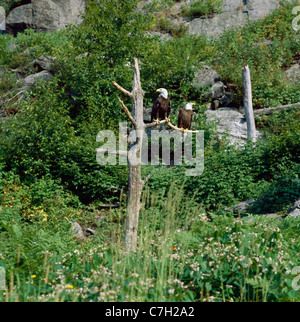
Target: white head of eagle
x,y
161,106
163,92
189,106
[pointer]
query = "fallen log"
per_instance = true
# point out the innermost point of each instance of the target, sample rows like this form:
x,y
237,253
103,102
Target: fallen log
x,y
117,205
267,111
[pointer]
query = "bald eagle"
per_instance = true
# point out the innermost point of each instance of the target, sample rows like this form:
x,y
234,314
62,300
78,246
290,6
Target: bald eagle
x,y
161,107
185,117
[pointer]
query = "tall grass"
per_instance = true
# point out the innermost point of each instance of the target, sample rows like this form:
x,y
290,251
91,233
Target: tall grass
x,y
181,256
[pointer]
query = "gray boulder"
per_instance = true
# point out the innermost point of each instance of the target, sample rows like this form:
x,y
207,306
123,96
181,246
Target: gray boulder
x,y
217,90
77,231
294,210
147,113
31,80
229,121
251,218
293,74
235,13
216,25
19,19
205,76
45,63
242,207
44,15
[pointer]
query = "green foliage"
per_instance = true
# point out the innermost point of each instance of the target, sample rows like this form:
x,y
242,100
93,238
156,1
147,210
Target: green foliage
x,y
46,141
113,30
239,261
48,164
229,175
279,196
279,152
203,8
175,70
35,221
193,259
7,82
8,4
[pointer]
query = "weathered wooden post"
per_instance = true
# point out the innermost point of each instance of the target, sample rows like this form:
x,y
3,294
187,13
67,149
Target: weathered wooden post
x,y
248,107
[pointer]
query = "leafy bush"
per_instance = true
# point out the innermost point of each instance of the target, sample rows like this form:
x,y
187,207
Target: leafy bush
x,y
279,196
175,70
228,177
279,154
8,4
202,8
44,141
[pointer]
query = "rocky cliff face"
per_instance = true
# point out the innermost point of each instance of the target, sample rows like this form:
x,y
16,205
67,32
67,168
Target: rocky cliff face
x,y
45,15
235,13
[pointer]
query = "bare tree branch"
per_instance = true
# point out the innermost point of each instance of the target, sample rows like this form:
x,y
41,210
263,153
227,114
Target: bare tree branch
x,y
155,124
117,205
178,129
147,178
132,120
122,89
170,125
117,188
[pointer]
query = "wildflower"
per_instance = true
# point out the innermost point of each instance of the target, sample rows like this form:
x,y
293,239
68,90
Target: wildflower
x,y
33,276
70,286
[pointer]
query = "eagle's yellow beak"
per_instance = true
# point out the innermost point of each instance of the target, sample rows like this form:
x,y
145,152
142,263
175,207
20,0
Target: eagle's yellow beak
x,y
193,104
158,90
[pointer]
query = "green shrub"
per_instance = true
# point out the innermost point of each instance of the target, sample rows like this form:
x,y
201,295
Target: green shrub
x,y
203,8
45,141
8,4
228,177
278,198
278,153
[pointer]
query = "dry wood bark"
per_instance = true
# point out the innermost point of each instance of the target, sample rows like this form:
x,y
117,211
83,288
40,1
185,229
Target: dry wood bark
x,y
248,108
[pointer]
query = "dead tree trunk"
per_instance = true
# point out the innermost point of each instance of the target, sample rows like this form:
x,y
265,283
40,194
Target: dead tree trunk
x,y
251,130
135,183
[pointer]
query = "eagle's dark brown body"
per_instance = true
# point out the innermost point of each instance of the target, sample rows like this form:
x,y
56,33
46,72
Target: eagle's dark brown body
x,y
161,108
185,118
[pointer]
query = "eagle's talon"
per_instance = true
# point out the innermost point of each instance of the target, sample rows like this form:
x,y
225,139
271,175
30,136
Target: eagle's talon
x,y
167,120
182,129
157,121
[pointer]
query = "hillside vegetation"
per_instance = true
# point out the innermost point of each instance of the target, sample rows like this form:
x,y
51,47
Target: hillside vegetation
x,y
191,247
